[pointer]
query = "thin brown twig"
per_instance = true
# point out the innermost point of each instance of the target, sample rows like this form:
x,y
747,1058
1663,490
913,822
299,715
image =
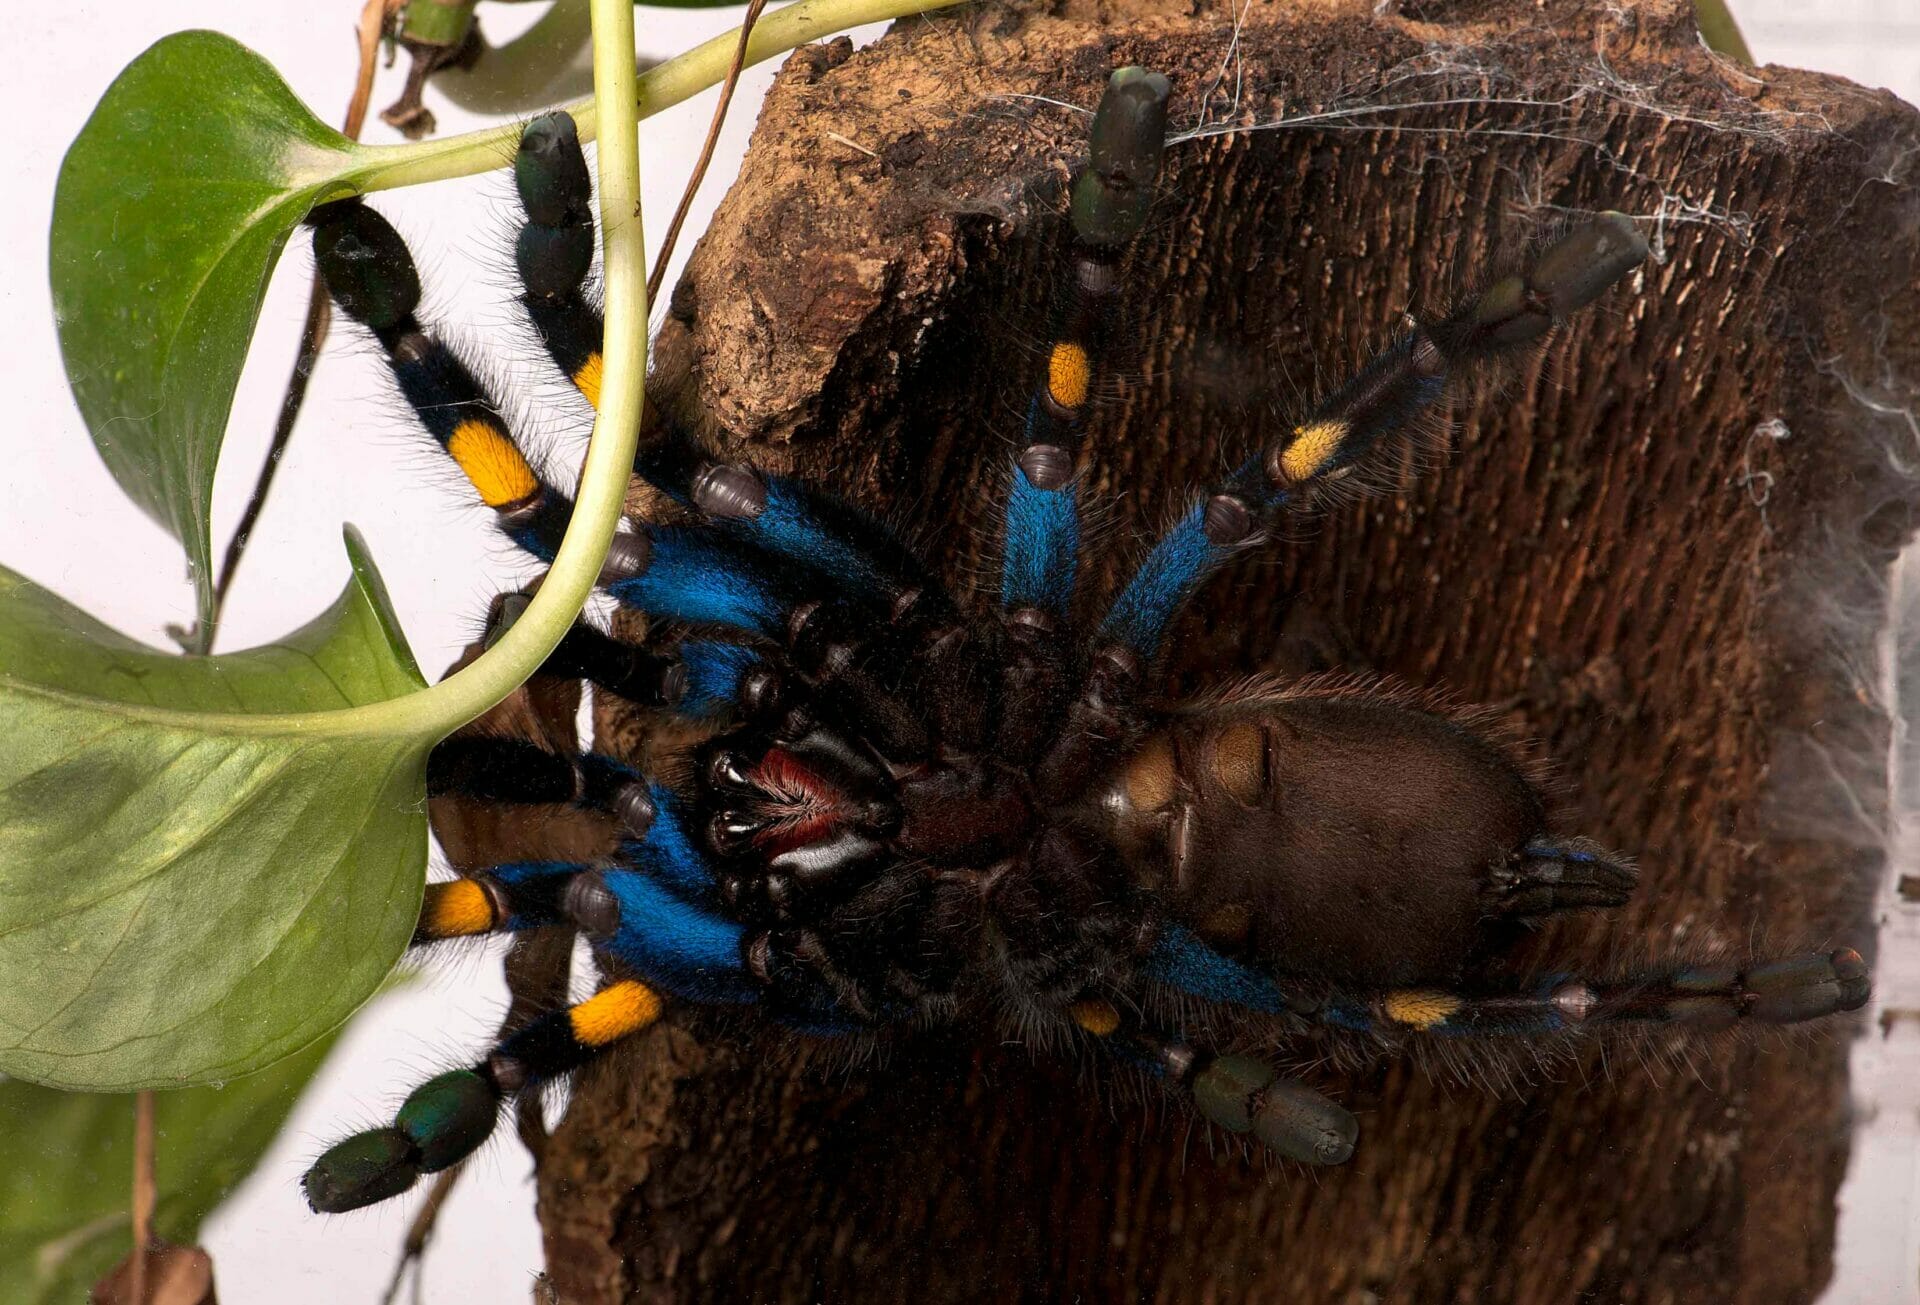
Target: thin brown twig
x,y
313,334
420,1231
145,1190
706,152
373,24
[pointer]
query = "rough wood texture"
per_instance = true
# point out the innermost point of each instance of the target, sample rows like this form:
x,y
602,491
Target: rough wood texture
x,y
1619,553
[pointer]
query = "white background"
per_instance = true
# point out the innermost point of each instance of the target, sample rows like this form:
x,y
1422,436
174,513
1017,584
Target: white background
x,y
357,459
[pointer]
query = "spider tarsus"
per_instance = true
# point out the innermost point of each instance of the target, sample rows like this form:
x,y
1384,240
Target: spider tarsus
x,y
448,1117
550,172
1124,148
365,264
362,1170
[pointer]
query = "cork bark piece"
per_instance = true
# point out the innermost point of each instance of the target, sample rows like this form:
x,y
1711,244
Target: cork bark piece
x,y
1656,548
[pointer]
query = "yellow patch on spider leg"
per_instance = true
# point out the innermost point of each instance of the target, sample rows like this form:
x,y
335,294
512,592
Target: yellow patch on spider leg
x,y
1095,1016
1313,447
613,1013
1420,1008
587,379
456,910
497,469
1069,374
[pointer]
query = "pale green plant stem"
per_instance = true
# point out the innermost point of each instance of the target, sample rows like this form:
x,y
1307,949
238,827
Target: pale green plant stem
x,y
609,465
629,96
384,167
616,431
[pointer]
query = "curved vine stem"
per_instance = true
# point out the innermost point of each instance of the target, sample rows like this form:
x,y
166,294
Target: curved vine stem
x,y
616,431
384,167
622,98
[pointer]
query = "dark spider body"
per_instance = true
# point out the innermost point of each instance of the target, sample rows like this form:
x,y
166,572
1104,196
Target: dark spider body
x,y
906,812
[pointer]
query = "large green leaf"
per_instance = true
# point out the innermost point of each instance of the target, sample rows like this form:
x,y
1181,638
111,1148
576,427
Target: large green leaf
x,y
205,865
66,1164
172,206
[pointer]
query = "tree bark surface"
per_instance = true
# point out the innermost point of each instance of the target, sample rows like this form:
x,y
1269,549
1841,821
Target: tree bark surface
x,y
1656,547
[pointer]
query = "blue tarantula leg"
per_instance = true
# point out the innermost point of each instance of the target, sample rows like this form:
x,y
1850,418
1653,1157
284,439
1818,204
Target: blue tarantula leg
x,y
514,770
372,279
502,899
702,576
651,911
1239,1093
1773,992
521,895
697,575
785,517
1180,959
1363,425
676,943
1551,876
718,677
640,675
1109,207
553,254
447,1118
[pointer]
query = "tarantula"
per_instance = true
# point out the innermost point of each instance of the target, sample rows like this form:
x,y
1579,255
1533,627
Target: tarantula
x,y
913,813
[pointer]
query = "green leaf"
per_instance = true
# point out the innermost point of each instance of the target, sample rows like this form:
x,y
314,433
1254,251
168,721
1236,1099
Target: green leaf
x,y
172,206
205,864
1720,32
66,1161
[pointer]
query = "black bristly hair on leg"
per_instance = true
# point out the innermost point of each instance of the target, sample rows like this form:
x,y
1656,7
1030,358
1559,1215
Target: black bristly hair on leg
x,y
910,812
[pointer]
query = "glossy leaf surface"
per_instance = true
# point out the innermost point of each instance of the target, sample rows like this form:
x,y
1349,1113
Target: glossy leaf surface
x,y
66,1160
172,205
205,864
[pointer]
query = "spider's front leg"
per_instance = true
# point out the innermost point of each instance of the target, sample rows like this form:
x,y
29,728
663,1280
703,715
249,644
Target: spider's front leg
x,y
1041,534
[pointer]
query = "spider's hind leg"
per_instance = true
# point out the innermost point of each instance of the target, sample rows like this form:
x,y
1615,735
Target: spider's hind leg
x,y
1788,991
1241,1094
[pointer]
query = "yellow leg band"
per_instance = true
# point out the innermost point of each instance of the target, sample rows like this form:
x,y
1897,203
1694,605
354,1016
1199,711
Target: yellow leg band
x,y
492,463
613,1013
1096,1017
1069,373
1420,1008
458,909
587,379
1312,449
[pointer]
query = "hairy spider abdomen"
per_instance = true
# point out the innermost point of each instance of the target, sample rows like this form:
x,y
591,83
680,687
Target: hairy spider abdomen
x,y
1345,836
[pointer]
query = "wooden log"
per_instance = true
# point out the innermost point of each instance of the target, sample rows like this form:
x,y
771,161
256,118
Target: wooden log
x,y
1623,552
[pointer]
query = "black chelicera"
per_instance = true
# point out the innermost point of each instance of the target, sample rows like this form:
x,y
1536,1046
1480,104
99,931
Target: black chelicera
x,y
915,811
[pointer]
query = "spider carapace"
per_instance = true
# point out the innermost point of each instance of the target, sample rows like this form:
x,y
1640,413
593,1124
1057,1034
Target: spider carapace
x,y
913,811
